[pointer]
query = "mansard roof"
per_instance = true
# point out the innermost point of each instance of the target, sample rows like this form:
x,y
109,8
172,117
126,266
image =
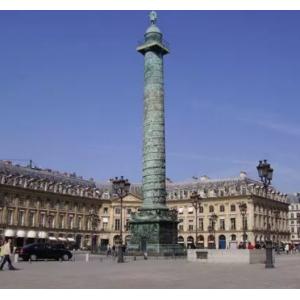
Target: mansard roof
x,y
207,188
7,168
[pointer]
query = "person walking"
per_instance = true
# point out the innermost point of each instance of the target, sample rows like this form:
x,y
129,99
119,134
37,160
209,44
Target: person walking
x,y
6,252
1,251
287,248
108,252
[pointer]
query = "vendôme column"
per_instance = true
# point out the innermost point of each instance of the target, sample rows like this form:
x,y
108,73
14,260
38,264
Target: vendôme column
x,y
154,156
154,227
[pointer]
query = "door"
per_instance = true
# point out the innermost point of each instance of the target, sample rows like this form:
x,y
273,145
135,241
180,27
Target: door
x,y
222,242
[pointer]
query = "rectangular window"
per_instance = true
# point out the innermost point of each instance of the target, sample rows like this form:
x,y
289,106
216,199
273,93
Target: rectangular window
x,y
105,210
191,227
222,224
79,222
42,204
201,224
70,221
31,219
61,221
232,224
128,211
117,224
42,220
21,218
117,210
180,226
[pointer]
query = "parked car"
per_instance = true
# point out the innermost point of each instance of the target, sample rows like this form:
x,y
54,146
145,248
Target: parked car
x,y
44,251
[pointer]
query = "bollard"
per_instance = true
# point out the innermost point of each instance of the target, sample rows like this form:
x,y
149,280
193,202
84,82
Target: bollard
x,y
87,257
16,257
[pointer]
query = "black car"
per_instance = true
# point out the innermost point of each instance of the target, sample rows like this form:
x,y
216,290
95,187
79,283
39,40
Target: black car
x,y
44,251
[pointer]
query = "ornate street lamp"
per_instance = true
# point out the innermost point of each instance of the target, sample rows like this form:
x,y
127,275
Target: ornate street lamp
x,y
120,187
196,202
94,219
243,210
277,214
213,218
265,173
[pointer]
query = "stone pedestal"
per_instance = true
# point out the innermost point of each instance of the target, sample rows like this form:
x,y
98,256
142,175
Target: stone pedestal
x,y
154,231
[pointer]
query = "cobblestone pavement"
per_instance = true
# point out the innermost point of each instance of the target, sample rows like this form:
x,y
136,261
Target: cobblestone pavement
x,y
153,273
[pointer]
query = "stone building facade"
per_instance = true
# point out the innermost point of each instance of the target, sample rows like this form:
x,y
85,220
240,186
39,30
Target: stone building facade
x,y
220,197
40,205
294,218
43,205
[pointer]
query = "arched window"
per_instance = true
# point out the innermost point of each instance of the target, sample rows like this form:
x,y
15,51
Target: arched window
x,y
211,208
232,207
180,240
222,208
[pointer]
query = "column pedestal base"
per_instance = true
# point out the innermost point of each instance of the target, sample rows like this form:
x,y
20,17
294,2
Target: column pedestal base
x,y
154,231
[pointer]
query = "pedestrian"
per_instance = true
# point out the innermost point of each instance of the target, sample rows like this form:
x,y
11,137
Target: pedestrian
x,y
1,251
287,248
113,250
6,251
250,246
108,252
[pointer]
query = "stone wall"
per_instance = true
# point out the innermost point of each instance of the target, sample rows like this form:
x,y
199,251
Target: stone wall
x,y
254,256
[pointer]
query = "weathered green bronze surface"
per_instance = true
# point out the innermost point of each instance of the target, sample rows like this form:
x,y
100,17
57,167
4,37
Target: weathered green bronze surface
x,y
154,227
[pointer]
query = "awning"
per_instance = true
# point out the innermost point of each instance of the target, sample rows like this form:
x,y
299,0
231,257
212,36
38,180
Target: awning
x,y
9,233
190,209
21,233
180,210
31,234
105,220
71,239
52,238
42,235
62,239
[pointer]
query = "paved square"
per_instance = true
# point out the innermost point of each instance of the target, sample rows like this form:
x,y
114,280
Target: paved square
x,y
153,273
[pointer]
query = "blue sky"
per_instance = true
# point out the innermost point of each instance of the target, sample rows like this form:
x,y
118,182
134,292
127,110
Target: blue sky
x,y
71,92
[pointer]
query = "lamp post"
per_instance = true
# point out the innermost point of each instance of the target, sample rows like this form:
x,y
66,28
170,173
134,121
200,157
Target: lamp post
x,y
121,188
277,214
265,173
243,210
196,202
213,218
94,219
